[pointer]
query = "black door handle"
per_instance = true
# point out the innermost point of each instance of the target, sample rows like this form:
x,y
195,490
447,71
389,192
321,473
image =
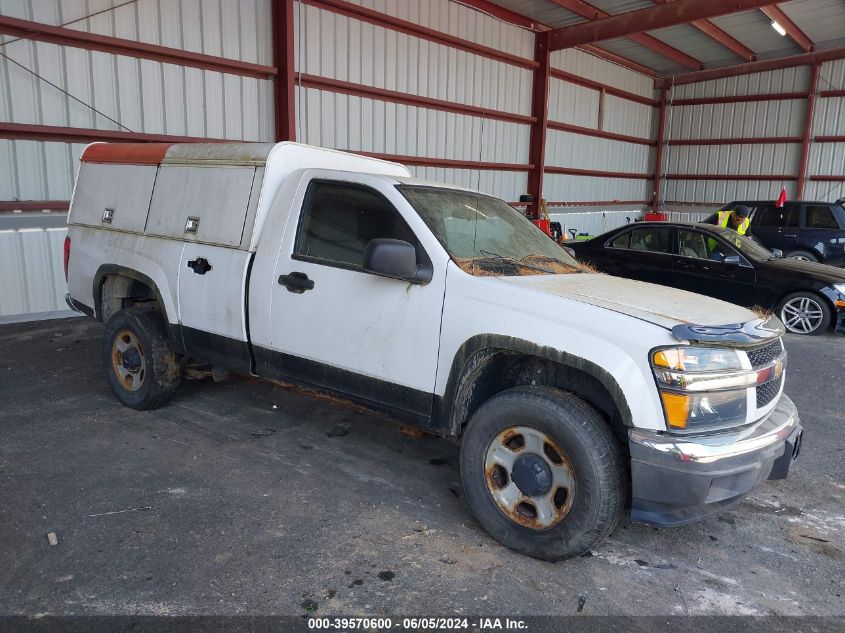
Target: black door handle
x,y
199,265
296,282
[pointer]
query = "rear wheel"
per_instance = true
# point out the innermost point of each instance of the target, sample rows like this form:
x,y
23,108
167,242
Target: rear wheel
x,y
542,472
805,313
141,367
804,256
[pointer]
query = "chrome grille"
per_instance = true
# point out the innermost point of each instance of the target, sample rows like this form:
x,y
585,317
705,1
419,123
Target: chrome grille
x,y
767,391
765,355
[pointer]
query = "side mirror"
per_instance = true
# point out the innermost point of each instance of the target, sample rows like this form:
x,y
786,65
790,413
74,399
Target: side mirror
x,y
777,253
732,260
396,259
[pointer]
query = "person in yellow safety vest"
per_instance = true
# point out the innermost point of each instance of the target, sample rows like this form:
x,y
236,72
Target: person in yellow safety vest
x,y
736,219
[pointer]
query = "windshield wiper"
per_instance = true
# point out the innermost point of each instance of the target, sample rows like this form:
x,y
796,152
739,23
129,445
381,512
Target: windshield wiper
x,y
515,262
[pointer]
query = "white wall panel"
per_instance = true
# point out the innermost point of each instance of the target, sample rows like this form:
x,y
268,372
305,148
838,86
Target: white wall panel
x,y
37,170
343,48
458,20
507,185
567,149
795,79
235,29
33,278
780,159
723,191
737,120
341,121
563,188
584,64
573,104
623,116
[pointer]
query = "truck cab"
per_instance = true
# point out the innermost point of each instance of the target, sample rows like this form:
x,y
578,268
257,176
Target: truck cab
x,y
443,307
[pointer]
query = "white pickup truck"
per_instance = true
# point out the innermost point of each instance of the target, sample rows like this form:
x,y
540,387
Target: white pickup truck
x,y
573,393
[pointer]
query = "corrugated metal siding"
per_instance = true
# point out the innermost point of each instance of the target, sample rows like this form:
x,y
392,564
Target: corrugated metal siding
x,y
832,75
460,21
36,170
722,191
737,120
347,49
354,123
734,159
795,79
33,279
566,149
235,30
573,104
584,64
623,116
507,185
562,188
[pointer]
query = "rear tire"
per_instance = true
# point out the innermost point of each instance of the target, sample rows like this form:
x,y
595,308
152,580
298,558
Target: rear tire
x,y
804,256
141,366
805,313
580,480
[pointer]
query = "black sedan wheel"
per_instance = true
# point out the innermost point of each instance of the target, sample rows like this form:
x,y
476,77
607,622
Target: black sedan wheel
x,y
804,313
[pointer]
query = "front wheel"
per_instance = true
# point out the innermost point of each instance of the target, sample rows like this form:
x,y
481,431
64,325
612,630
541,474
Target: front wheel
x,y
804,256
805,313
542,472
140,365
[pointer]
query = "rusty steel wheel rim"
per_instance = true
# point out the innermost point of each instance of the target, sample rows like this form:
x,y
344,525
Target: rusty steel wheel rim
x,y
529,477
128,360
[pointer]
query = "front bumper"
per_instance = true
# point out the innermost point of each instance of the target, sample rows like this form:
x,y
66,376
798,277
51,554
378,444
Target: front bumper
x,y
678,480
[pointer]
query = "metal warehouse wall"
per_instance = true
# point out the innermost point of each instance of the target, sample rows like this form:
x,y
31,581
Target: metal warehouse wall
x,y
628,163
141,95
764,115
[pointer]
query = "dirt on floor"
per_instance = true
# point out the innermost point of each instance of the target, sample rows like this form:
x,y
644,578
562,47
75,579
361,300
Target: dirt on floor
x,y
244,497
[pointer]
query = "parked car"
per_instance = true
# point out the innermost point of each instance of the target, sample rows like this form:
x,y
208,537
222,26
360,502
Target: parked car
x,y
442,306
717,262
809,231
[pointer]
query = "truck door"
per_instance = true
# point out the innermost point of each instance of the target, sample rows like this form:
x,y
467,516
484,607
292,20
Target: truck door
x,y
336,327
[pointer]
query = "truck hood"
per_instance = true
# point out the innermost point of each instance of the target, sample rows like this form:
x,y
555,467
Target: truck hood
x,y
666,307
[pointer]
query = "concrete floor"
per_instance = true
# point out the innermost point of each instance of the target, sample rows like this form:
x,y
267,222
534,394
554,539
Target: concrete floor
x,y
243,497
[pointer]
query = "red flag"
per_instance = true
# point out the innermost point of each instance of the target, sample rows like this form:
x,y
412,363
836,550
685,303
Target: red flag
x,y
781,197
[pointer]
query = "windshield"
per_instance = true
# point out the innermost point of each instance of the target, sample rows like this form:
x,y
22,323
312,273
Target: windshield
x,y
487,236
743,244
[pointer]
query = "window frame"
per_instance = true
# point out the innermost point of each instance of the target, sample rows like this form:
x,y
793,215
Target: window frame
x,y
673,241
805,213
423,258
743,260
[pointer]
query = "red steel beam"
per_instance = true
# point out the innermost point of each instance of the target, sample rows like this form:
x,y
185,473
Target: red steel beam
x,y
658,155
54,133
361,90
722,37
504,14
119,46
411,28
588,131
776,14
34,205
284,94
804,59
648,19
829,139
759,140
592,13
618,59
572,171
776,96
832,93
540,112
774,177
807,132
820,178
595,85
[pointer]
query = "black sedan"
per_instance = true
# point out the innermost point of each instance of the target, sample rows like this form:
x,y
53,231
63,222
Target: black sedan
x,y
719,263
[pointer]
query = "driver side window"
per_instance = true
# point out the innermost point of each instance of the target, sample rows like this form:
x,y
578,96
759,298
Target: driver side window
x,y
700,246
339,219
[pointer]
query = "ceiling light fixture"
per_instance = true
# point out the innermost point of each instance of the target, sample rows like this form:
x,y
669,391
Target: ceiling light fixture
x,y
777,27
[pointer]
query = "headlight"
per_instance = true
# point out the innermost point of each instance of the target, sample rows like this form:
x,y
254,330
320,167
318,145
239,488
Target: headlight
x,y
840,288
704,388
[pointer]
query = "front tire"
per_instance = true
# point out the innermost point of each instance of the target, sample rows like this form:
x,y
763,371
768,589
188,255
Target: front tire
x,y
542,472
141,367
804,256
805,313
